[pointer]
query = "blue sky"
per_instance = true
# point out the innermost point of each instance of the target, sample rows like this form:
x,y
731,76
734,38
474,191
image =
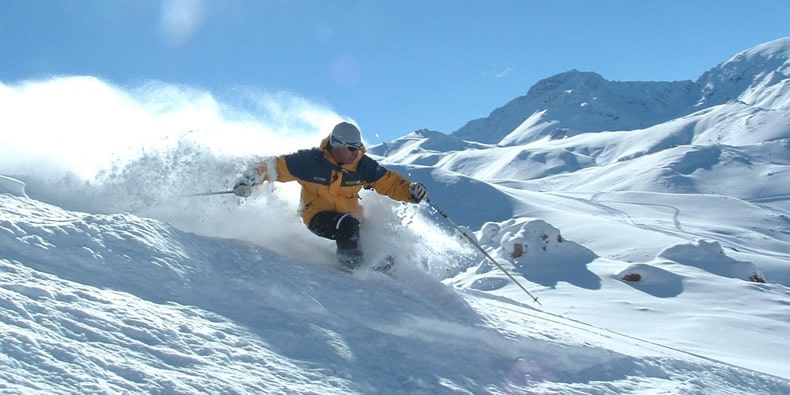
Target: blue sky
x,y
392,66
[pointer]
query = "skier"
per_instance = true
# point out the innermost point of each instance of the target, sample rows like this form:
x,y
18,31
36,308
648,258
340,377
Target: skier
x,y
331,177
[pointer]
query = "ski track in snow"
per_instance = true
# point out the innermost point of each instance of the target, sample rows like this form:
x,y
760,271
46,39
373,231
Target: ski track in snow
x,y
677,229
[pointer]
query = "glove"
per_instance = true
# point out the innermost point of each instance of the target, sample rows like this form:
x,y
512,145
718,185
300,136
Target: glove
x,y
417,192
243,185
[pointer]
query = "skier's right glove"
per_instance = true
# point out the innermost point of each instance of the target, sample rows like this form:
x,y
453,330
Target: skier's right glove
x,y
243,185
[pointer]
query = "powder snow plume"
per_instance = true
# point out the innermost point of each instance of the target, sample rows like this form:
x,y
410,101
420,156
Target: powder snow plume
x,y
88,145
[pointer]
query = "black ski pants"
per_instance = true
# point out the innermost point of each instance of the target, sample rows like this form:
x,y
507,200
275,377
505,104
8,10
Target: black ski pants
x,y
343,228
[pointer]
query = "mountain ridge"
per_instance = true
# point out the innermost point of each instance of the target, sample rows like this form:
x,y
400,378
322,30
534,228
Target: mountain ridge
x,y
574,102
540,149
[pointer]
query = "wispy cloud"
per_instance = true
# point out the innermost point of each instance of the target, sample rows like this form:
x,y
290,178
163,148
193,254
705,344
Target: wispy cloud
x,y
504,72
496,72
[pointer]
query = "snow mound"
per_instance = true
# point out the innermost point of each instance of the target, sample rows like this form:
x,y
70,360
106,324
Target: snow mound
x,y
532,248
710,256
652,280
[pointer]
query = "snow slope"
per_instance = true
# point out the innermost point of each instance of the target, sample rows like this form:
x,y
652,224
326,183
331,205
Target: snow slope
x,y
119,303
658,253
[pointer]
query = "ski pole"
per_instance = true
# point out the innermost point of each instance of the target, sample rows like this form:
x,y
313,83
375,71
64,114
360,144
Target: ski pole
x,y
208,193
480,248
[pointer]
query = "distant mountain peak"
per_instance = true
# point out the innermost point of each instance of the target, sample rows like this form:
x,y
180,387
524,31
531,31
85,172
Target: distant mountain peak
x,y
756,76
575,102
779,48
573,79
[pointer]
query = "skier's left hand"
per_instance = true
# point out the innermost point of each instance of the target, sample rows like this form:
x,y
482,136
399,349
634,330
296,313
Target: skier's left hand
x,y
417,192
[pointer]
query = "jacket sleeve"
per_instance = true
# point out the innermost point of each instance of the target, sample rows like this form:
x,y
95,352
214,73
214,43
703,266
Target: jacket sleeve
x,y
384,181
393,185
274,169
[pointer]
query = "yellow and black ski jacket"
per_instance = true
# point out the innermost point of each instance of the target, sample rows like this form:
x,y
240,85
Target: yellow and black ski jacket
x,y
328,186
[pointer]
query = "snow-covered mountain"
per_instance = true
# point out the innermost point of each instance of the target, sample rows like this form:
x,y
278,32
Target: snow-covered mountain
x,y
741,103
651,221
577,102
757,77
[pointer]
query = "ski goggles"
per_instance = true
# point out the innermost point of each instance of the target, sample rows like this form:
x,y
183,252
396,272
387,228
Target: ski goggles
x,y
337,142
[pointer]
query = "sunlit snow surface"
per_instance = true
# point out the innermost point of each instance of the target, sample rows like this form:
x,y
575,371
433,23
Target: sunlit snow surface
x,y
114,280
113,303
